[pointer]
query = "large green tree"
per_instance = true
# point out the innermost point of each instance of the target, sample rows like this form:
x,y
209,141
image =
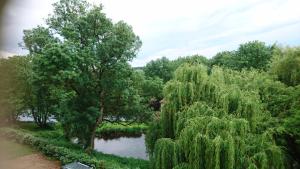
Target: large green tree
x,y
84,72
253,54
216,120
161,68
38,78
250,55
286,65
222,59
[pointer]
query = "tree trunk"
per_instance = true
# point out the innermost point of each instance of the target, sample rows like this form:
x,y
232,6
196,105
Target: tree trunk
x,y
98,122
40,118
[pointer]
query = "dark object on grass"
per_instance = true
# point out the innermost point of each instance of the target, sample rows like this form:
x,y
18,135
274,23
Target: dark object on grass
x,y
76,165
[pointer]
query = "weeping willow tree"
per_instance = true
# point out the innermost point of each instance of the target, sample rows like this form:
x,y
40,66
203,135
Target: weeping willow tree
x,y
213,121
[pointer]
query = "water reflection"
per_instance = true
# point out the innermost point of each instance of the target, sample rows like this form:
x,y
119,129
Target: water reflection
x,y
123,146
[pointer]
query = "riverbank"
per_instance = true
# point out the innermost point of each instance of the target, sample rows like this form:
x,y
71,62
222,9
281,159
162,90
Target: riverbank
x,y
53,144
114,130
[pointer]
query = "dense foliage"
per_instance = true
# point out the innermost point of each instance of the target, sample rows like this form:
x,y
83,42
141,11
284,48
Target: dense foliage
x,y
13,88
164,68
159,68
225,119
286,66
253,54
160,71
80,72
223,116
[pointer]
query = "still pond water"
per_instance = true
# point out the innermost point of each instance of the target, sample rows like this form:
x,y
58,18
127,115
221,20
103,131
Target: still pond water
x,y
123,146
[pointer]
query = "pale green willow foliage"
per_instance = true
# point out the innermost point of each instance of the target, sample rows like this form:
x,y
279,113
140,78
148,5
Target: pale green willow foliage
x,y
210,121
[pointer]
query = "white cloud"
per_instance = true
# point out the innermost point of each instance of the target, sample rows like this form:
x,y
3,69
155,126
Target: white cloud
x,y
175,28
269,21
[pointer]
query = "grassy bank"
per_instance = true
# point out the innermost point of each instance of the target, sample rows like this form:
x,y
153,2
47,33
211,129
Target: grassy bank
x,y
107,129
52,143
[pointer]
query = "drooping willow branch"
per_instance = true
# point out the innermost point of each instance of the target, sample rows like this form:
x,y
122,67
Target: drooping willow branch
x,y
212,121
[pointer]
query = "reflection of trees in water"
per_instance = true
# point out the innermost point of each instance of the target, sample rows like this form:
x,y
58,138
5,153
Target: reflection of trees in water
x,y
125,146
115,135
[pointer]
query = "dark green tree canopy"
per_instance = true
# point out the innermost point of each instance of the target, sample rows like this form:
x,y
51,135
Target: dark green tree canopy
x,y
222,59
164,68
83,75
36,39
161,68
286,66
193,59
253,54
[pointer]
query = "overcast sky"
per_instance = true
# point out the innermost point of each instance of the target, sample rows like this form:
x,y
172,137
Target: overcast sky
x,y
174,28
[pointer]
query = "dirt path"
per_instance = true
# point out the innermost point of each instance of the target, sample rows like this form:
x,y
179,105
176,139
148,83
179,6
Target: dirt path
x,y
18,156
32,161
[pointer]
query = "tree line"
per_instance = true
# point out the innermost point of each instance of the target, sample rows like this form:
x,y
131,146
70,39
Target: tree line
x,y
239,109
